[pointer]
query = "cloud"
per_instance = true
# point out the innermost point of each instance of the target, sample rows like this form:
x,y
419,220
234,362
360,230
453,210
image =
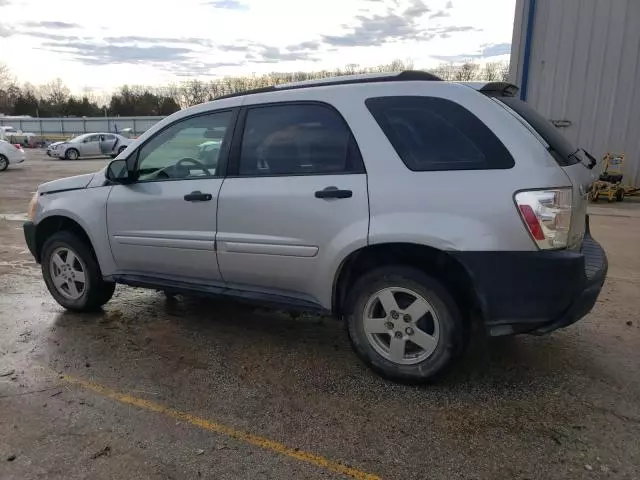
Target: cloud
x,y
275,55
50,36
486,51
495,49
449,5
4,3
5,31
440,14
227,4
94,54
55,25
377,30
138,39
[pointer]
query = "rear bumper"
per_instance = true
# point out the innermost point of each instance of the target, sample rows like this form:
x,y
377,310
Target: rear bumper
x,y
536,292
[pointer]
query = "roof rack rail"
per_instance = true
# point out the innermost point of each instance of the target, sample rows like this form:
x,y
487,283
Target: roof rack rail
x,y
404,76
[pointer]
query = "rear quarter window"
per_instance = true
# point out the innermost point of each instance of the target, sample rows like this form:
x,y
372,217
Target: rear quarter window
x,y
562,150
435,134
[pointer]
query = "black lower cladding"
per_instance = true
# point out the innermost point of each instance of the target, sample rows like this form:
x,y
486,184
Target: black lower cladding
x,y
536,292
30,237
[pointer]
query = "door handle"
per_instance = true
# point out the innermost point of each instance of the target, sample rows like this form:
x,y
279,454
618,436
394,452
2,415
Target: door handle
x,y
334,192
198,196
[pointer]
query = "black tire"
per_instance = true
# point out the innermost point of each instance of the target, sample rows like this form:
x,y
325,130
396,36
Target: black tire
x,y
620,195
72,152
4,163
452,335
96,292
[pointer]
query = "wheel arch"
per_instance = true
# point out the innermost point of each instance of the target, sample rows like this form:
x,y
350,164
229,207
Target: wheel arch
x,y
55,223
439,263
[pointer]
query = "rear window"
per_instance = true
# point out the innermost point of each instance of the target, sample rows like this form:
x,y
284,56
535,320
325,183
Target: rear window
x,y
434,134
559,146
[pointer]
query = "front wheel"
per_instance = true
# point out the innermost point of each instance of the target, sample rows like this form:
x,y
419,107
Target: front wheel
x,y
72,154
404,324
4,163
72,274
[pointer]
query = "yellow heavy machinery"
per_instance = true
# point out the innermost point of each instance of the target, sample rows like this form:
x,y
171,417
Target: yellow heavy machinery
x,y
609,183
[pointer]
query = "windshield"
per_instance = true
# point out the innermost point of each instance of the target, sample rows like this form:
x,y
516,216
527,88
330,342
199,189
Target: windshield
x,y
77,139
564,152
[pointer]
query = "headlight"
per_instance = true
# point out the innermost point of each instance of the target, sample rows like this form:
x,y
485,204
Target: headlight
x,y
547,215
33,204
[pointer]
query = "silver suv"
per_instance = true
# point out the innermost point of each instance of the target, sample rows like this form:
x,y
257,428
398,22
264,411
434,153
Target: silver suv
x,y
407,206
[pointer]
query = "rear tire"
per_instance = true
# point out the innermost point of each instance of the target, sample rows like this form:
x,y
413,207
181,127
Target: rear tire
x,y
620,195
414,343
72,274
71,154
4,163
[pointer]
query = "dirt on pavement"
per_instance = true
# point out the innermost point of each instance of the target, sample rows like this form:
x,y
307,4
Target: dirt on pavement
x,y
157,388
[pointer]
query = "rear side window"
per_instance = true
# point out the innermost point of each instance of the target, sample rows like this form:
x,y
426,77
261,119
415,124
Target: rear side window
x,y
433,134
297,139
560,147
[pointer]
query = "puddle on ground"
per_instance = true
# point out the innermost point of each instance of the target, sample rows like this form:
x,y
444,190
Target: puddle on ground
x,y
14,217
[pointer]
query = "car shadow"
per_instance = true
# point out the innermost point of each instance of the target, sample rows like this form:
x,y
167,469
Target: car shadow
x,y
262,345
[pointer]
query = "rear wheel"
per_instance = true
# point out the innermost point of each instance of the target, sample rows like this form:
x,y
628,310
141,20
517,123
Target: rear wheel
x,y
4,163
404,324
72,274
620,195
72,154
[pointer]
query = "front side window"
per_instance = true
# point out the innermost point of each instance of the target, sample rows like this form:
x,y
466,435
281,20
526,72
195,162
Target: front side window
x,y
297,139
435,134
189,148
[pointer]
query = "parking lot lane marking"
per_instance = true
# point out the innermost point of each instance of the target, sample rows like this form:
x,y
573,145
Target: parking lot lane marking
x,y
221,429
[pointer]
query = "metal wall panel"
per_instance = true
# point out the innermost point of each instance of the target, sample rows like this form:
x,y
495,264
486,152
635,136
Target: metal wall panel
x,y
76,126
585,68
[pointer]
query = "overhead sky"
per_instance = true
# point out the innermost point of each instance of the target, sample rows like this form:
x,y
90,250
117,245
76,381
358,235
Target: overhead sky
x,y
101,44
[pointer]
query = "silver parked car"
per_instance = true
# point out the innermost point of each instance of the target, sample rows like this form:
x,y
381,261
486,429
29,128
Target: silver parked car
x,y
406,206
89,145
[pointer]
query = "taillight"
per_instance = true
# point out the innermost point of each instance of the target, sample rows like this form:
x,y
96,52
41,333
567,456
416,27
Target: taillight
x,y
18,146
547,215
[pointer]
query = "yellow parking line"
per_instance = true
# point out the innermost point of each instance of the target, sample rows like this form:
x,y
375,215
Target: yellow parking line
x,y
261,442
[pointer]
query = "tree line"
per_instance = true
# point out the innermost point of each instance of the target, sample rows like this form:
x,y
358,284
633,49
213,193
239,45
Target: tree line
x,y
54,98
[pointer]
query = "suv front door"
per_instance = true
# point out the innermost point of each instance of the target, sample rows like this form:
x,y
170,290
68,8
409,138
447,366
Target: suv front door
x,y
164,225
294,200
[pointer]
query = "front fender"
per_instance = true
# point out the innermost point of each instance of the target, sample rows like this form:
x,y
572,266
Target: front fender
x,y
86,207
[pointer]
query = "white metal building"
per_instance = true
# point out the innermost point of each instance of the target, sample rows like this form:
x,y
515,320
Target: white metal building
x,y
578,63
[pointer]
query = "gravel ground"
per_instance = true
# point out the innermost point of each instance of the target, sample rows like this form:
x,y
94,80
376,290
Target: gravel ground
x,y
561,406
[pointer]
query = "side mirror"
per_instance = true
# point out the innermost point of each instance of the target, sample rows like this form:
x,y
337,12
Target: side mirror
x,y
118,172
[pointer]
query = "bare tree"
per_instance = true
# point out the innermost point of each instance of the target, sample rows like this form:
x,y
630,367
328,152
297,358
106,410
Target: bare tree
x,y
6,78
491,72
54,91
504,71
445,71
193,92
467,72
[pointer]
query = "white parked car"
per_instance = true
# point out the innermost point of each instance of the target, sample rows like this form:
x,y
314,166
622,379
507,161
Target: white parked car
x,y
89,145
10,153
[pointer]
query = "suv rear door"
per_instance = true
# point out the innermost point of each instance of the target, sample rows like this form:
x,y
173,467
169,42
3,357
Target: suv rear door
x,y
294,198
